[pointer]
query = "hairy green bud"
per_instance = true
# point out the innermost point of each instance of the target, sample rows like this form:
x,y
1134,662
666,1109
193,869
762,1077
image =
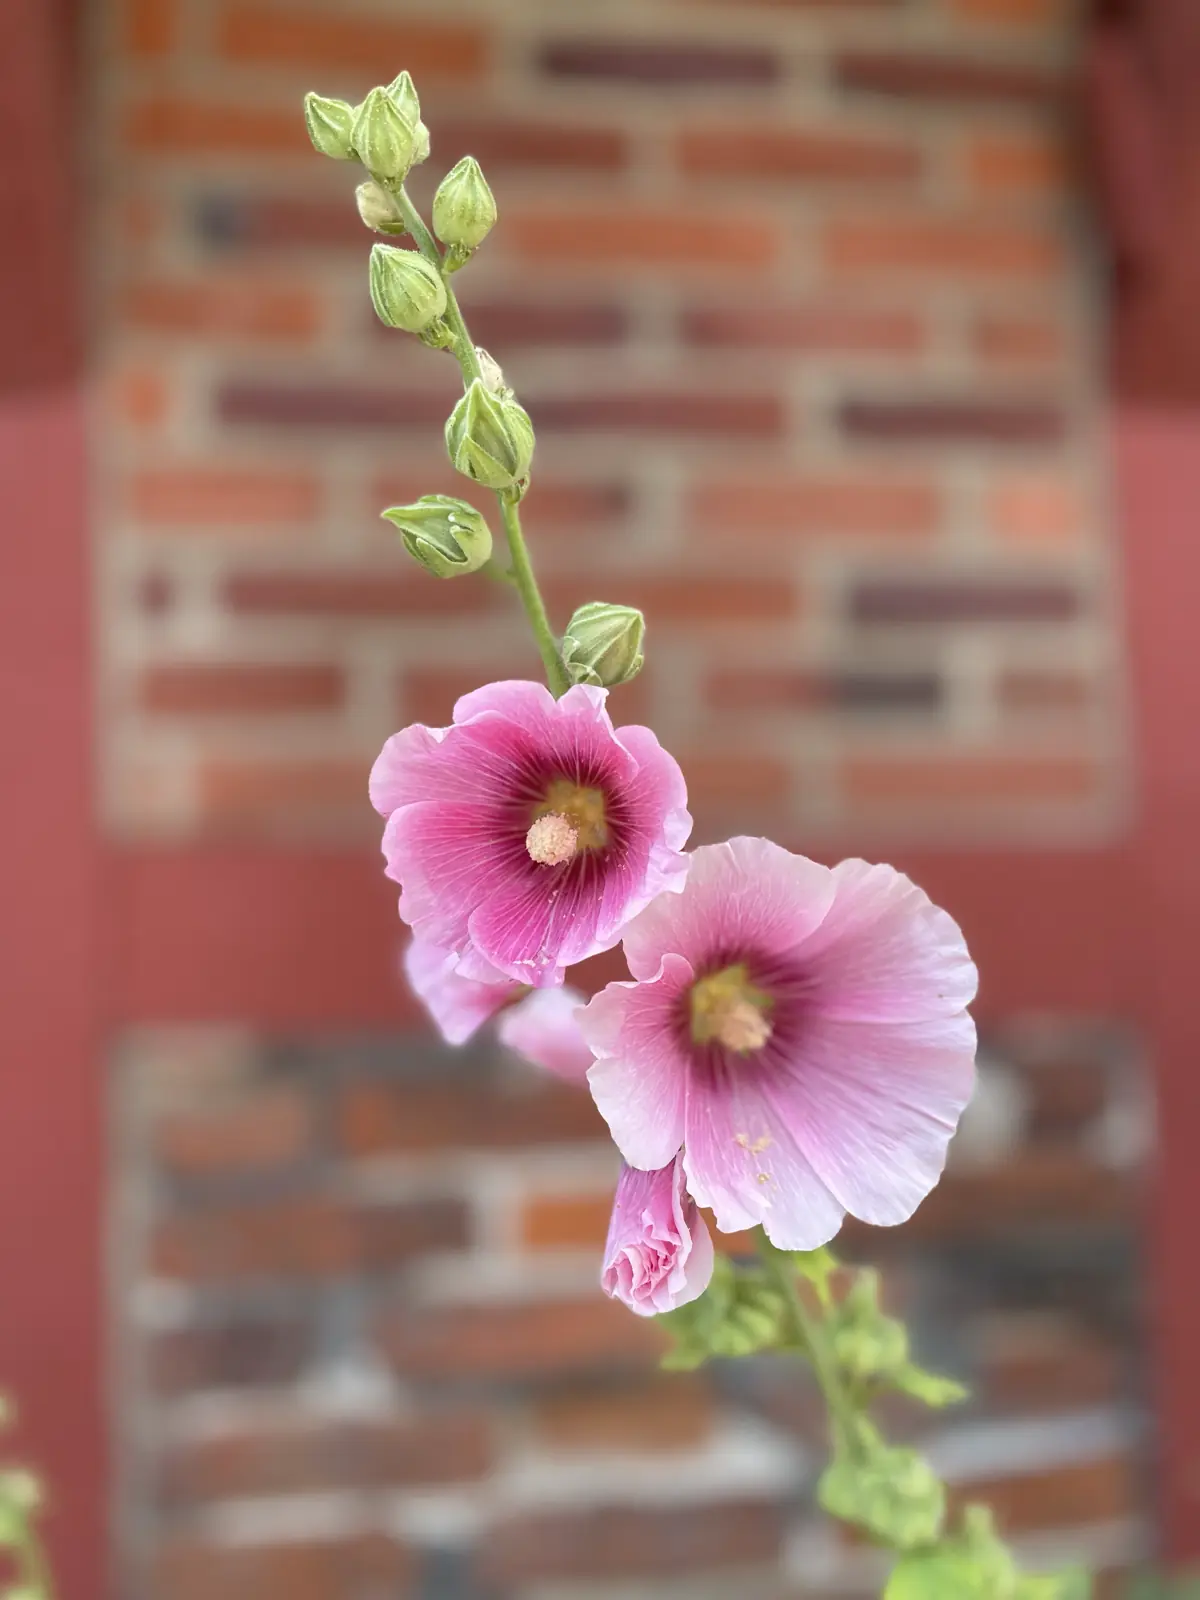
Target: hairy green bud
x,y
330,124
489,438
464,208
894,1494
385,137
603,644
377,209
447,536
405,290
403,92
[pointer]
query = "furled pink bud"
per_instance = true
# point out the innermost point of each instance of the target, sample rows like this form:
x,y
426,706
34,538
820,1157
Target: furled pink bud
x,y
659,1254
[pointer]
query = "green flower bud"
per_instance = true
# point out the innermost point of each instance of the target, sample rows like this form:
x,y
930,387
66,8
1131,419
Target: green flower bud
x,y
20,1489
385,138
891,1492
447,536
377,209
464,208
329,126
489,437
603,644
405,290
404,92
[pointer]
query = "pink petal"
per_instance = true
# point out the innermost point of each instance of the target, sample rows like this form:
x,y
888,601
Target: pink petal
x,y
886,953
639,1080
746,892
659,1253
544,1028
458,1005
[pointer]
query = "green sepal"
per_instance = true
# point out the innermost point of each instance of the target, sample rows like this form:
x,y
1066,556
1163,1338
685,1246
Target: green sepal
x,y
929,1388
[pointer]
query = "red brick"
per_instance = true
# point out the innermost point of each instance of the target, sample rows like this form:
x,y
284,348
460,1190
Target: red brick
x,y
565,1221
386,1117
185,1567
344,406
662,63
542,145
737,151
150,28
178,126
311,1237
1019,338
643,411
1024,165
503,324
631,1542
266,1129
305,1456
948,78
241,689
289,796
350,594
601,239
765,508
1070,1496
667,1412
1038,14
778,689
221,497
244,1352
1033,689
233,309
954,420
1038,510
539,1339
941,248
141,397
689,598
720,784
835,329
1044,1363
349,41
888,782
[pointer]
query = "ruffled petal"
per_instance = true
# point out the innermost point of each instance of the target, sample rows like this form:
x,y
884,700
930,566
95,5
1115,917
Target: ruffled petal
x,y
544,1028
458,1005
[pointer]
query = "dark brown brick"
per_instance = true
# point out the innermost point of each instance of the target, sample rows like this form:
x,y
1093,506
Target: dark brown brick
x,y
308,1237
330,405
351,594
953,421
374,1118
1066,1095
833,328
504,324
186,1567
283,222
241,688
791,154
669,1411
303,1456
658,62
757,416
967,600
543,1339
1043,1362
501,143
238,1354
773,689
948,78
1070,1496
629,1542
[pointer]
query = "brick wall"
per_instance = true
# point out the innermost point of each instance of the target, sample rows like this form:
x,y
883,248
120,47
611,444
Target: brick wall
x,y
798,292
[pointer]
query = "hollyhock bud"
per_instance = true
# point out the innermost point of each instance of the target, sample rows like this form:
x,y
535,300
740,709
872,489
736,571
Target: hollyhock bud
x,y
377,209
329,126
447,536
385,137
405,290
603,644
489,437
464,208
659,1254
403,92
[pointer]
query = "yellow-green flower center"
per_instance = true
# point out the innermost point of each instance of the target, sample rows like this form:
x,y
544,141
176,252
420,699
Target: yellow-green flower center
x,y
727,1009
567,810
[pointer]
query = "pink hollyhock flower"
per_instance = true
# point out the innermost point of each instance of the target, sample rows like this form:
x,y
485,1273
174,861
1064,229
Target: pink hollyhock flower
x,y
459,1006
527,833
544,1028
801,1031
659,1253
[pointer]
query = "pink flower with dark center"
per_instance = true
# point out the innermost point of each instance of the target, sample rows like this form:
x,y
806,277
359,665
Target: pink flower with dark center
x,y
544,1028
802,1032
659,1253
526,834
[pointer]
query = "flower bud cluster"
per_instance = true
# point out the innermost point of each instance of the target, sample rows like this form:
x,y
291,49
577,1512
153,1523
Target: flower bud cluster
x,y
384,132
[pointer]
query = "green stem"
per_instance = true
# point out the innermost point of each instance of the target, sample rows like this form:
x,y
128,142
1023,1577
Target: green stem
x,y
809,1331
468,359
531,599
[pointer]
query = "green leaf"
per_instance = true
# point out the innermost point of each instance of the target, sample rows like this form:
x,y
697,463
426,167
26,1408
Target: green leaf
x,y
927,1387
1071,1585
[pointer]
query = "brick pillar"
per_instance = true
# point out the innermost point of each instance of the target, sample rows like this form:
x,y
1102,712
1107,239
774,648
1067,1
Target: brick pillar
x,y
1144,74
50,1122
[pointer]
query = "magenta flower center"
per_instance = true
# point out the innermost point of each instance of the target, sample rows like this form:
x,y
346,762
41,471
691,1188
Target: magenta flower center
x,y
727,1009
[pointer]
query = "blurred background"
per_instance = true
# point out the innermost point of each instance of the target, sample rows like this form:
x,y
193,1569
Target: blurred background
x,y
858,337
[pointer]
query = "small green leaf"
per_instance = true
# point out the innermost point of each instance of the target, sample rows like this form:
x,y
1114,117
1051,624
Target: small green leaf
x,y
927,1387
